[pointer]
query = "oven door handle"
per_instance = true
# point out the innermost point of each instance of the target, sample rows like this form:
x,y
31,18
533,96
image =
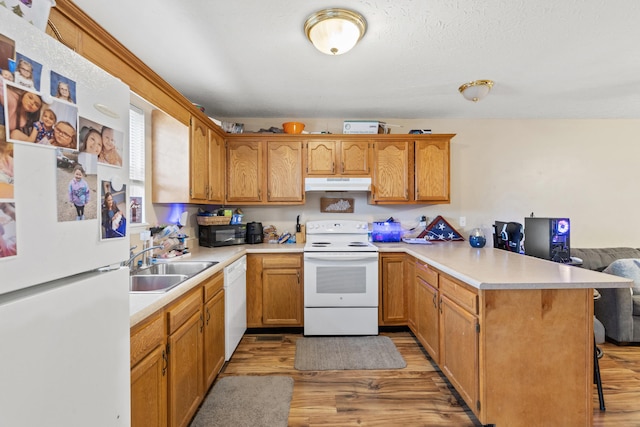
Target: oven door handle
x,y
342,257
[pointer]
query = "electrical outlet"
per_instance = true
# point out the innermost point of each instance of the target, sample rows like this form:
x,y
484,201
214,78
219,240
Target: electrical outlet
x,y
463,221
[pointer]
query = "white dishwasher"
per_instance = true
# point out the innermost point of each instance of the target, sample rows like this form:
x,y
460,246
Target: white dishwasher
x,y
235,305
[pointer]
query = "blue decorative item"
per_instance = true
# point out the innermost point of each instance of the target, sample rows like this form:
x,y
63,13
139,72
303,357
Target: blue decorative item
x,y
477,238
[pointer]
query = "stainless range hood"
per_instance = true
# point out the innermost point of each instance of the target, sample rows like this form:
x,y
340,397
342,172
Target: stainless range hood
x,y
337,184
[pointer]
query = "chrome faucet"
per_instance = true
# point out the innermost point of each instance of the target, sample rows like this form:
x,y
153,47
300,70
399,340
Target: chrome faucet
x,y
137,254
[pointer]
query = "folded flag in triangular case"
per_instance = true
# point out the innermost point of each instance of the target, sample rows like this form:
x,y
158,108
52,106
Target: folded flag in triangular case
x,y
440,230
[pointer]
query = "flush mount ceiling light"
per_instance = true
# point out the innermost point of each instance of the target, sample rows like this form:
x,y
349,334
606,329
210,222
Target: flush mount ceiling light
x,y
476,90
335,31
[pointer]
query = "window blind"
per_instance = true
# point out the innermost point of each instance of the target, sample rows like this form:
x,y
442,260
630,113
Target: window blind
x,y
136,144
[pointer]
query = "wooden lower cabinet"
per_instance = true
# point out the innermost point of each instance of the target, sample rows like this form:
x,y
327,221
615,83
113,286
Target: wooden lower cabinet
x,y
274,290
149,373
176,355
213,328
490,344
185,359
459,349
427,297
393,289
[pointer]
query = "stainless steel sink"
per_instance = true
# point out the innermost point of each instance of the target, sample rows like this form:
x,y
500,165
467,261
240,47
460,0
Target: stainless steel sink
x,y
187,268
155,283
164,276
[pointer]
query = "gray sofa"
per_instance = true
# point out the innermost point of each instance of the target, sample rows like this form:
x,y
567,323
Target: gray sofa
x,y
617,309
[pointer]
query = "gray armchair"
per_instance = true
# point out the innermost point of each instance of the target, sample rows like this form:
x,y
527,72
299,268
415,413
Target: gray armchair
x,y
617,309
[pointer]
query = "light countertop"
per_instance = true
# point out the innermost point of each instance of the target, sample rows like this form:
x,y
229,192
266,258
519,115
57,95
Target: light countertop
x,y
489,268
485,268
141,305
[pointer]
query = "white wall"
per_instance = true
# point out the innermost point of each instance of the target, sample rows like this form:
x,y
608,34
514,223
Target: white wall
x,y
586,170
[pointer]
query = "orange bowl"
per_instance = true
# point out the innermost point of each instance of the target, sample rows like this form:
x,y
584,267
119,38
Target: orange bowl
x,y
293,127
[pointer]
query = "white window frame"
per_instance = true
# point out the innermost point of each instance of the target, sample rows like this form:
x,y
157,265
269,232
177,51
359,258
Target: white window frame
x,y
137,162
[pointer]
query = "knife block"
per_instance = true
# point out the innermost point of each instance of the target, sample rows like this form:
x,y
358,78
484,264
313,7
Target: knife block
x,y
301,236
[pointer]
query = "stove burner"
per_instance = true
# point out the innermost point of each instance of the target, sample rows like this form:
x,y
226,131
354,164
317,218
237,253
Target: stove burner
x,y
358,244
320,244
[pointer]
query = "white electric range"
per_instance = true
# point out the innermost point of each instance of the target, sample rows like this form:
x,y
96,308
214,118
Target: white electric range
x,y
340,279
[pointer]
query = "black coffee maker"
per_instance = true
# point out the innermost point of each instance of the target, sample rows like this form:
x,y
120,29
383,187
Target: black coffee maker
x,y
254,233
508,236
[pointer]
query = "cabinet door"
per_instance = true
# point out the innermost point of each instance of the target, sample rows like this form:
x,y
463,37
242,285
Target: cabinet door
x,y
199,160
244,171
170,165
254,290
321,157
427,322
391,171
282,296
459,349
185,371
394,289
217,157
213,337
284,171
149,390
355,158
149,372
432,170
411,293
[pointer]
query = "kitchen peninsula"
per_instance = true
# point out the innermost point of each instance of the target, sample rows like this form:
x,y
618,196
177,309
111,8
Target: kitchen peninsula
x,y
513,333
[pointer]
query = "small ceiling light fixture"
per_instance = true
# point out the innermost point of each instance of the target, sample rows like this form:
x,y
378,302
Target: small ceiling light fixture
x,y
335,31
476,90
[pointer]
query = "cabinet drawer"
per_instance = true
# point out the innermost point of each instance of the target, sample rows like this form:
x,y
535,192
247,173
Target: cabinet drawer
x,y
459,293
293,261
427,274
213,285
179,313
147,337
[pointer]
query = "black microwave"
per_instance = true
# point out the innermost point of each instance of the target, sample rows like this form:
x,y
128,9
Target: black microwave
x,y
212,236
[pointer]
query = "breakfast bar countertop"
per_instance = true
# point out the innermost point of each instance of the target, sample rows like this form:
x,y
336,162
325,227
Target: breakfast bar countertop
x,y
485,268
489,268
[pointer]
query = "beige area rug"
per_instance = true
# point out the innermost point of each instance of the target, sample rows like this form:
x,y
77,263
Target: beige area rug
x,y
247,401
336,353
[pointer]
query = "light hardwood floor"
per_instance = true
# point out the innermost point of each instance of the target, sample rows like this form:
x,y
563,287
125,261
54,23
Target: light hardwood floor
x,y
417,395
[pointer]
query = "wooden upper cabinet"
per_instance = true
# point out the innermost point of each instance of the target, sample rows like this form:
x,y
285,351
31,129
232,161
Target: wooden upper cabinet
x,y
244,171
207,163
199,159
284,171
321,157
170,159
63,29
432,170
355,158
331,157
391,179
217,156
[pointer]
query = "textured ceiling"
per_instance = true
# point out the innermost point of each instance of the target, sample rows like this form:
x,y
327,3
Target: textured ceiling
x,y
250,58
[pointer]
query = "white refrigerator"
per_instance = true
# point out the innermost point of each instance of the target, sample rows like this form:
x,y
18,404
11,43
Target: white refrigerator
x,y
64,320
